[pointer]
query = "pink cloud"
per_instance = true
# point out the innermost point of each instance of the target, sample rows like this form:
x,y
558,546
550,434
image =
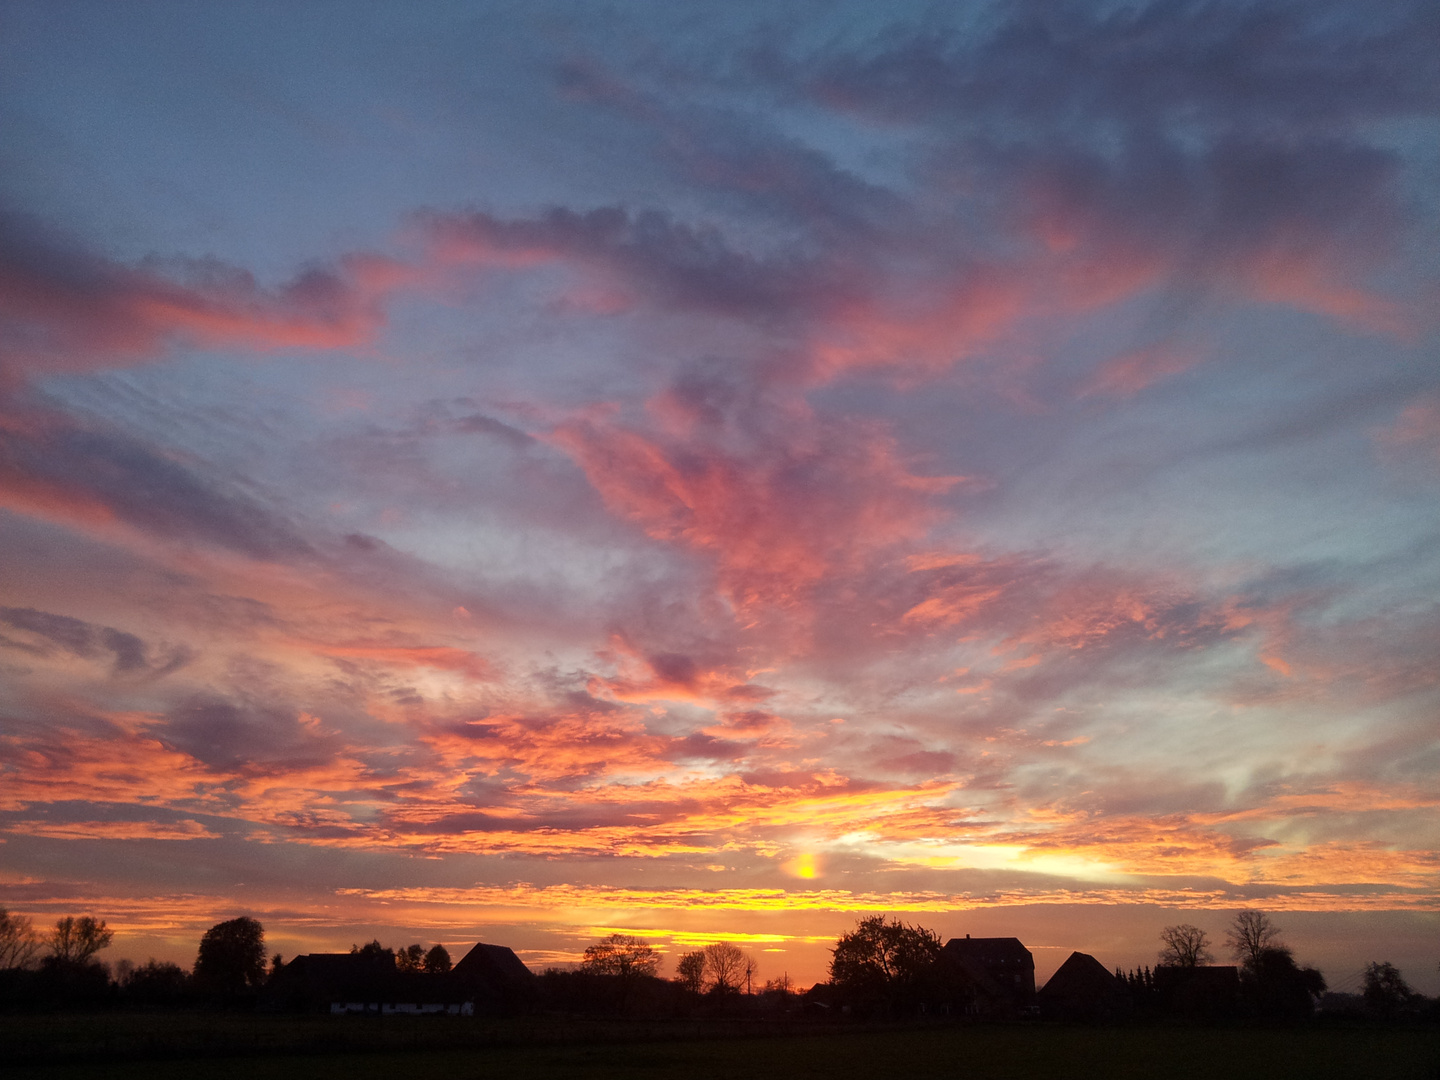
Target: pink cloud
x,y
941,320
776,519
1417,427
64,309
1130,372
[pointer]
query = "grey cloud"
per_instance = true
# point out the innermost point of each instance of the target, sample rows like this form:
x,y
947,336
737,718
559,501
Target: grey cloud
x,y
1208,211
143,487
739,156
72,634
246,738
1067,64
666,260
63,307
130,654
129,650
674,668
478,424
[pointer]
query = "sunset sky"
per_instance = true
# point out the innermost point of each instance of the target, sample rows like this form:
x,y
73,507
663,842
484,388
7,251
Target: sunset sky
x,y
522,471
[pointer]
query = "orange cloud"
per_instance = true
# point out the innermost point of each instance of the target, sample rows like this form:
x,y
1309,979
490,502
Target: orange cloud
x,y
564,744
589,898
443,657
954,604
642,678
692,816
114,830
123,767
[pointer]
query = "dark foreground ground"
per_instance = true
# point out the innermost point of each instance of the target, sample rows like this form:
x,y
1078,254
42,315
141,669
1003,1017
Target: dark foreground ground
x,y
354,1048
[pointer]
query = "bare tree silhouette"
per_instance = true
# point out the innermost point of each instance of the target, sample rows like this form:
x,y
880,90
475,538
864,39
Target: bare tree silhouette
x,y
622,955
74,941
1185,946
18,941
1251,934
725,967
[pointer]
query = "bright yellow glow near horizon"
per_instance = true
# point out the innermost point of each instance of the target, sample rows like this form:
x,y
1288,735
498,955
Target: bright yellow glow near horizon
x,y
805,865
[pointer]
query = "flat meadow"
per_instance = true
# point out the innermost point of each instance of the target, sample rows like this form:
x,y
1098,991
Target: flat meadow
x,y
160,1047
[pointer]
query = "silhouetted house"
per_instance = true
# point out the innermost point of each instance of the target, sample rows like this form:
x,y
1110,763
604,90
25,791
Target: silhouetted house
x,y
1198,993
822,999
1083,990
1337,1004
316,981
987,976
497,979
362,983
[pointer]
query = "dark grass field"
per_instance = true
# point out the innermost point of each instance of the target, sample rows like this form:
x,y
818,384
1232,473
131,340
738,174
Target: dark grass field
x,y
159,1048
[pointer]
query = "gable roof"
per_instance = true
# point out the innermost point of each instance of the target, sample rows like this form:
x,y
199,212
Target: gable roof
x,y
1081,975
342,965
326,973
493,964
1081,989
990,951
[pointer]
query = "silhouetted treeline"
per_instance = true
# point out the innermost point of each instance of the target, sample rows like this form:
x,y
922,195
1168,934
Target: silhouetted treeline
x,y
61,970
619,977
882,969
583,993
